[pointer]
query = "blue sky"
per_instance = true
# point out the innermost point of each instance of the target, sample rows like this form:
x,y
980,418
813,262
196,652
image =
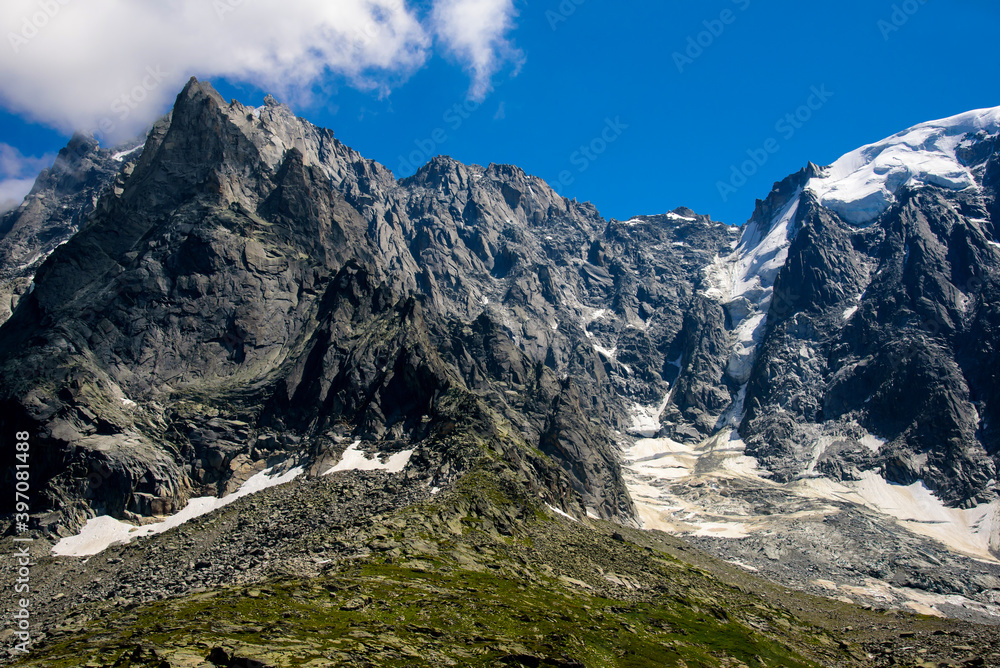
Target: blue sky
x,y
592,95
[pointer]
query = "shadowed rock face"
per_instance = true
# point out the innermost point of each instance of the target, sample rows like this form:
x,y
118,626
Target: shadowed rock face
x,y
247,288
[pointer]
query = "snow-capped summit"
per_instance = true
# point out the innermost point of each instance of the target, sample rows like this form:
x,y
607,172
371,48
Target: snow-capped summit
x,y
861,185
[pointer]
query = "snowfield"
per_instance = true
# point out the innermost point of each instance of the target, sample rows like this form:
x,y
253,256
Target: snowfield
x,y
654,464
973,532
861,185
100,533
743,283
667,481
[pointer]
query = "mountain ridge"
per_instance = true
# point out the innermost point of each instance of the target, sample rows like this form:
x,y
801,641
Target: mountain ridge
x,y
276,136
249,295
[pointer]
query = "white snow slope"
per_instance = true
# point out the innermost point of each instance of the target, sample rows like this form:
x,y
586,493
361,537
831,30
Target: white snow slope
x,y
744,283
682,489
102,532
862,184
354,459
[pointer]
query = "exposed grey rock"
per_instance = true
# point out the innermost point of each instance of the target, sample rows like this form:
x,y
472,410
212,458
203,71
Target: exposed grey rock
x,y
909,365
248,292
252,288
59,203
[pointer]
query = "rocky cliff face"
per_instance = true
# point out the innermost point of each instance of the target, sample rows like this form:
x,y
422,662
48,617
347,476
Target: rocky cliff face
x,y
246,289
864,301
248,286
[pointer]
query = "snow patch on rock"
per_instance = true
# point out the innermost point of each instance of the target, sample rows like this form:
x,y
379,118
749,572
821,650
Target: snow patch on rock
x,y
354,459
609,354
646,419
120,157
561,513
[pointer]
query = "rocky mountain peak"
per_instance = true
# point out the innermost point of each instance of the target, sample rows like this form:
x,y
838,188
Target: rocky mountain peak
x,y
445,173
246,251
505,173
862,184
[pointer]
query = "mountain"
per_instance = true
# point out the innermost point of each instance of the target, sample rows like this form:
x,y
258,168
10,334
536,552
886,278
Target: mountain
x,y
260,359
61,199
888,278
851,345
483,279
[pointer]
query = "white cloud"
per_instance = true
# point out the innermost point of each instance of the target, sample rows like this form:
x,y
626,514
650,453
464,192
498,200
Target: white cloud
x,y
475,31
123,61
17,175
12,192
73,64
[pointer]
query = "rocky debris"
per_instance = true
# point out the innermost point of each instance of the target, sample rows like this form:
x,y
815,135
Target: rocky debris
x,y
854,555
475,575
306,527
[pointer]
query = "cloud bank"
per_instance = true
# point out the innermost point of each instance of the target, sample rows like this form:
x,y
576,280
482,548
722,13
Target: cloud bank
x,y
113,66
17,175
